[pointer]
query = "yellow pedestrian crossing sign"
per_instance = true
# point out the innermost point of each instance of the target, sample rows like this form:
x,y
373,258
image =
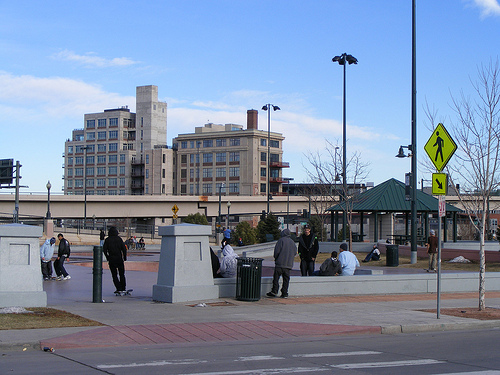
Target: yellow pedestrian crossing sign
x,y
440,147
439,183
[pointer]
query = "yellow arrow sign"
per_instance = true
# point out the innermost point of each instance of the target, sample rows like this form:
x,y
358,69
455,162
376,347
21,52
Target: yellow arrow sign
x,y
439,183
175,209
440,147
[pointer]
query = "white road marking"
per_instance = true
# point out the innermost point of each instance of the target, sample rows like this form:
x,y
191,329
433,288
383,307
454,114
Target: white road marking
x,y
418,362
257,358
155,363
485,372
269,371
339,354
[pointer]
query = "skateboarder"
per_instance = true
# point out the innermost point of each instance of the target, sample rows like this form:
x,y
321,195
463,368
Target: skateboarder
x,y
116,253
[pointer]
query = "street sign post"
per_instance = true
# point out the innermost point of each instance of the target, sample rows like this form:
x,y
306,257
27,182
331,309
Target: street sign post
x,y
440,147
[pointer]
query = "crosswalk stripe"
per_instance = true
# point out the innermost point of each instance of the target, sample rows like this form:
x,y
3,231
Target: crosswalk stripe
x,y
339,354
417,362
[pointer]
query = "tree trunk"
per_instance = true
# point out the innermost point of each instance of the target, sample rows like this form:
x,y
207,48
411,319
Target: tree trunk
x,y
482,264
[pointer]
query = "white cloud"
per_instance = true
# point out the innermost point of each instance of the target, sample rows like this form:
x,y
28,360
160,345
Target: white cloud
x,y
488,7
90,59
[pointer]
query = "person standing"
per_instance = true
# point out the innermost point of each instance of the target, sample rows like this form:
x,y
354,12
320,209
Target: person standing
x,y
102,236
116,254
63,253
284,254
308,250
432,247
348,261
46,254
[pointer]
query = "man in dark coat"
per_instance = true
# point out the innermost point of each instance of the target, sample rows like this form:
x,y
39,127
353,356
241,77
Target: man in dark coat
x,y
116,253
63,253
308,250
284,254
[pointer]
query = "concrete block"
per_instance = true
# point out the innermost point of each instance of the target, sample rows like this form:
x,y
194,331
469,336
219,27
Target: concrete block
x,y
20,272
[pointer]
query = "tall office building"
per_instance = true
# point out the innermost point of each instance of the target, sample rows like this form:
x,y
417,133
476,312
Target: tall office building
x,y
230,159
123,153
114,151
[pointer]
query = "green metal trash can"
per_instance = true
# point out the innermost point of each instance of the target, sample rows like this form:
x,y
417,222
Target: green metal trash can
x,y
392,255
248,279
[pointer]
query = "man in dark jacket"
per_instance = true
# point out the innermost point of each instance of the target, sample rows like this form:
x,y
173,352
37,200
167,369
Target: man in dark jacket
x,y
284,253
116,253
63,253
308,250
331,266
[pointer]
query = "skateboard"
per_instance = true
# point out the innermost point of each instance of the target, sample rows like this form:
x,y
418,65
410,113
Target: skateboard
x,y
124,293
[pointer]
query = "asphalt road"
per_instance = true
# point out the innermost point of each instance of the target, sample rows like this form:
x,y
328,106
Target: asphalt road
x,y
452,352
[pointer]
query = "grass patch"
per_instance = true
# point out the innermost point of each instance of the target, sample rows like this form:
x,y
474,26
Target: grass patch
x,y
422,263
43,317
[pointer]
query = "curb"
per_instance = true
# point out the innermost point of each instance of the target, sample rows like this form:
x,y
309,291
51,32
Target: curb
x,y
436,327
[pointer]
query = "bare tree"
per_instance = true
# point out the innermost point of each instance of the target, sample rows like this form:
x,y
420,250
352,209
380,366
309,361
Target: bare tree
x,y
476,162
325,171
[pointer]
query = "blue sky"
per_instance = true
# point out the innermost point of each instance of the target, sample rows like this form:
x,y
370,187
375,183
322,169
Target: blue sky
x,y
214,60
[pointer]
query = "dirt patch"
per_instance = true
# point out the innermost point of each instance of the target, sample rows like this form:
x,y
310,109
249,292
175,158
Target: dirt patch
x,y
43,317
470,312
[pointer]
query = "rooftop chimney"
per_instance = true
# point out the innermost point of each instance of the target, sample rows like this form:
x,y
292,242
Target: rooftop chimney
x,y
252,116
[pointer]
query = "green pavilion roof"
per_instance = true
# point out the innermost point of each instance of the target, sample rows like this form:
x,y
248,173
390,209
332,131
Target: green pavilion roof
x,y
389,196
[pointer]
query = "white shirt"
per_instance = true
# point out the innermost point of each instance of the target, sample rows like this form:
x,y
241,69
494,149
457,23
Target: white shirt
x,y
349,262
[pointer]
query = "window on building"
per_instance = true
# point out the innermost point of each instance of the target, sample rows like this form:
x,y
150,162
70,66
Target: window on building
x,y
78,137
191,144
69,161
263,142
207,172
101,148
263,172
90,171
234,142
220,172
234,156
208,143
208,158
147,173
263,156
163,173
113,147
184,144
191,189
183,173
191,173
183,189
90,149
101,192
101,136
90,183
220,157
79,183
69,172
275,144
79,160
220,142
220,187
122,191
163,188
90,159
113,159
122,169
122,181
112,181
113,134
122,158
113,122
101,123
101,182
275,158
112,170
78,171
101,159
234,188
147,158
184,158
69,183
79,149
90,124
101,171
234,172
112,192
263,188
207,189
70,149
90,136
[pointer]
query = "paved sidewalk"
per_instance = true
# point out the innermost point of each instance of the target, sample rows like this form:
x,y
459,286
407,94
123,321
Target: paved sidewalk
x,y
137,320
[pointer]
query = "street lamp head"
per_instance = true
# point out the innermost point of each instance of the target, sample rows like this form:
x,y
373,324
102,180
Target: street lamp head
x,y
339,59
351,59
276,108
264,108
401,153
228,204
345,57
49,185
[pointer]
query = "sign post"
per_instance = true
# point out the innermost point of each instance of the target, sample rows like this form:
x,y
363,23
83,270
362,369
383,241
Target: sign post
x,y
440,148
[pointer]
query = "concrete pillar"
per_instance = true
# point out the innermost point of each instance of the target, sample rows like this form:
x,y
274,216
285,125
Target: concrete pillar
x,y
20,271
185,269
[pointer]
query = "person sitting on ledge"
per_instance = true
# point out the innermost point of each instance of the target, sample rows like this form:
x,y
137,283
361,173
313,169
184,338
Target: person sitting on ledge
x,y
348,261
330,267
229,262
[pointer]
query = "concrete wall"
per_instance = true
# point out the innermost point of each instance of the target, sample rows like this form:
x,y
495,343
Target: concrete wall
x,y
372,284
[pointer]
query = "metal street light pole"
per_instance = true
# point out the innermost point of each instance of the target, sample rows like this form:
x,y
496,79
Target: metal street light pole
x,y
413,140
85,148
288,200
48,186
342,60
219,217
228,207
267,108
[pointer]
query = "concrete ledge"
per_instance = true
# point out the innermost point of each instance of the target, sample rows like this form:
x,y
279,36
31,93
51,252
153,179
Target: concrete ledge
x,y
372,284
